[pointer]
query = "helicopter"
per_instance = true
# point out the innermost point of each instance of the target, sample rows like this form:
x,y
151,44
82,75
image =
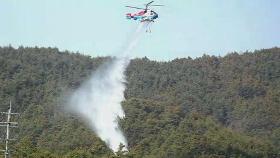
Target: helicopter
x,y
145,15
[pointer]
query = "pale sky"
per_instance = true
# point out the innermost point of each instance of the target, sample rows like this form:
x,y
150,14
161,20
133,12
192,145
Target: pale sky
x,y
99,27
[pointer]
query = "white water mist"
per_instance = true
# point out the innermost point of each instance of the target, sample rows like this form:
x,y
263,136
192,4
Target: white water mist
x,y
99,99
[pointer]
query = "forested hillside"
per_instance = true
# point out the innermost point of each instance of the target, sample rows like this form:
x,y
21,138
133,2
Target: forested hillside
x,y
186,108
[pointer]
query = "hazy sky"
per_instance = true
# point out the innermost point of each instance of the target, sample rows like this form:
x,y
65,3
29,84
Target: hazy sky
x,y
185,27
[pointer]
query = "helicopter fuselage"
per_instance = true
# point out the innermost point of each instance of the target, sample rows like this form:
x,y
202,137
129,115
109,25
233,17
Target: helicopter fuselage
x,y
143,16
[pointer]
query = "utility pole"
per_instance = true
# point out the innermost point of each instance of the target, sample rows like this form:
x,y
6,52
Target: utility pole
x,y
8,124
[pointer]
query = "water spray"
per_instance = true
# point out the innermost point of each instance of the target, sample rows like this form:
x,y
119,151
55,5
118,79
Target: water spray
x,y
98,100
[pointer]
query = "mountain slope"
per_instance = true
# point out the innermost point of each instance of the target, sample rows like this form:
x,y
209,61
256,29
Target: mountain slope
x,y
205,107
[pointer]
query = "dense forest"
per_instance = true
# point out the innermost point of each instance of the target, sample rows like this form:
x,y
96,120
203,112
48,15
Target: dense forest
x,y
207,107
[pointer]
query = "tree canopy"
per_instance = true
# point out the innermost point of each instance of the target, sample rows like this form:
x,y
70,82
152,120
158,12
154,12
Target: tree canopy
x,y
205,107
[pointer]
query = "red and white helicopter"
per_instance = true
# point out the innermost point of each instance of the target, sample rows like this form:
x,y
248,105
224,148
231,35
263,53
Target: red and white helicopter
x,y
145,15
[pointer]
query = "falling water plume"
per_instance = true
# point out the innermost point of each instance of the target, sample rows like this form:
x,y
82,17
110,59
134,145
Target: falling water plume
x,y
98,100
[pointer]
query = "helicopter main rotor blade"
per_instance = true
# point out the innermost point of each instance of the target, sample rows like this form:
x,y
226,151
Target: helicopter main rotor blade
x,y
150,2
157,5
134,7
